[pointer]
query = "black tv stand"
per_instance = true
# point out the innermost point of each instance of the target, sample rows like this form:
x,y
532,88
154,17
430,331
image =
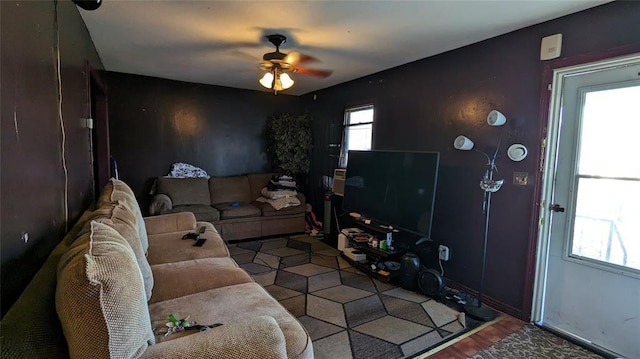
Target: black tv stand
x,y
374,257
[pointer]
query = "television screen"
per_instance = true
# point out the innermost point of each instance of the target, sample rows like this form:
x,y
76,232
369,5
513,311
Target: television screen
x,y
393,187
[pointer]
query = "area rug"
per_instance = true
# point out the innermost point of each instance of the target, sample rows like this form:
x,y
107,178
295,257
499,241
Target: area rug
x,y
535,343
347,313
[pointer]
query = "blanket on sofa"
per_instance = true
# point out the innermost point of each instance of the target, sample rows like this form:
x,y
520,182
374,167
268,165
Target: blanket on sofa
x,y
279,199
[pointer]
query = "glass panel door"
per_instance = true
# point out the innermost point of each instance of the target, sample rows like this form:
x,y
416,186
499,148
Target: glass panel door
x,y
607,211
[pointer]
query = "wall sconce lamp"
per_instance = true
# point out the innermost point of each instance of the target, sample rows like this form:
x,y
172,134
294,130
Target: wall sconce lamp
x,y
276,79
489,185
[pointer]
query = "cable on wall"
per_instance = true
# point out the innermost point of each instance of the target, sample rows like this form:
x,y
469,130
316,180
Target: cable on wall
x,y
56,29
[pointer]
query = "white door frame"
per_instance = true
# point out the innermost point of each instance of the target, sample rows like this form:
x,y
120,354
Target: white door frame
x,y
550,145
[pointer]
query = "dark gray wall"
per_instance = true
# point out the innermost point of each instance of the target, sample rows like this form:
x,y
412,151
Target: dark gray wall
x,y
33,181
424,105
155,123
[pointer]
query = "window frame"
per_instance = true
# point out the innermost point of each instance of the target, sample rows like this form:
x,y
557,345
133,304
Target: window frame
x,y
343,159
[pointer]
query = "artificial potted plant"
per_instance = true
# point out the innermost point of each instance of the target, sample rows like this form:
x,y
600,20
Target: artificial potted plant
x,y
289,144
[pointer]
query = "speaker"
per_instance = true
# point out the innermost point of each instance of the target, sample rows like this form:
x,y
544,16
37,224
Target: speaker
x,y
409,266
339,177
430,282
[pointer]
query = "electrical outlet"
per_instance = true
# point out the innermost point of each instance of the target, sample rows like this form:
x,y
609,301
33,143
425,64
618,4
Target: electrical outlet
x,y
444,253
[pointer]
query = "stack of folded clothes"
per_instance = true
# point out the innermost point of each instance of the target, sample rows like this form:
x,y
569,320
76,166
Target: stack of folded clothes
x,y
281,192
282,183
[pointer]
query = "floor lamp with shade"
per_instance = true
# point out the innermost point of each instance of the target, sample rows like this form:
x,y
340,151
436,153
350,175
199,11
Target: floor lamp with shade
x,y
489,185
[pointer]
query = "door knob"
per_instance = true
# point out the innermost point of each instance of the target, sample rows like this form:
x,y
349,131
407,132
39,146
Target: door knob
x,y
556,208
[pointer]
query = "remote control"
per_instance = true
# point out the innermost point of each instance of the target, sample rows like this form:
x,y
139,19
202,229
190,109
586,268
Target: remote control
x,y
200,242
191,235
203,229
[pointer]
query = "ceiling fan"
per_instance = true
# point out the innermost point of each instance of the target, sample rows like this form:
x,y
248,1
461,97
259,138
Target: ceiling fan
x,y
277,66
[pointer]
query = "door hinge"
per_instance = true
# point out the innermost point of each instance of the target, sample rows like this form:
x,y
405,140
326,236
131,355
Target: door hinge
x,y
543,147
549,87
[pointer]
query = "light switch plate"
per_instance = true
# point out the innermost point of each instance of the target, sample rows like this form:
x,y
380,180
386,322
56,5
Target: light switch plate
x,y
520,178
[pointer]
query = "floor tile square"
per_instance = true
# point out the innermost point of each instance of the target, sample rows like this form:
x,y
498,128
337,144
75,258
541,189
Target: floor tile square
x,y
292,281
267,260
254,268
235,250
405,309
329,252
281,293
407,295
283,251
440,313
298,244
364,310
250,245
333,347
308,269
392,329
325,280
317,328
451,328
273,243
295,260
420,343
265,279
329,262
358,280
296,305
343,263
382,286
244,258
326,310
342,293
367,347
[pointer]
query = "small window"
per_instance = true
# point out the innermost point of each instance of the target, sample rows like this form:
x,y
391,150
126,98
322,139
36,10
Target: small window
x,y
358,131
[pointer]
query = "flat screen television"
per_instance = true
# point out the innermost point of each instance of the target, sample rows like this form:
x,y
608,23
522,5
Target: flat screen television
x,y
393,188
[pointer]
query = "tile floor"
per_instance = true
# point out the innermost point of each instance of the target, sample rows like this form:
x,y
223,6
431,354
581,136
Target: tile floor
x,y
347,313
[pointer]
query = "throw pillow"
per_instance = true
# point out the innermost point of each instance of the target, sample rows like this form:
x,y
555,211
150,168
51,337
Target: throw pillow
x,y
100,298
118,190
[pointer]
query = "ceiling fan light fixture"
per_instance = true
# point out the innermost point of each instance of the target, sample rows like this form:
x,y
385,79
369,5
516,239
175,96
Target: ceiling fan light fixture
x,y
267,80
286,80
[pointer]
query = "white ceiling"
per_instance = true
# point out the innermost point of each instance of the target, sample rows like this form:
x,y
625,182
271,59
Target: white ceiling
x,y
222,42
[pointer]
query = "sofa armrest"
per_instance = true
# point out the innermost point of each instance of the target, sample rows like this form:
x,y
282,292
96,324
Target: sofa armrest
x,y
258,337
172,222
160,203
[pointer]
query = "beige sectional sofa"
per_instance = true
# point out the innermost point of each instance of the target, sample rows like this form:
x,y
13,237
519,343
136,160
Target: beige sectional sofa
x,y
229,203
107,290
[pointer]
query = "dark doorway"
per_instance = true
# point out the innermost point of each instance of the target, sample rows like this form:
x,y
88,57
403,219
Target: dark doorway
x,y
100,134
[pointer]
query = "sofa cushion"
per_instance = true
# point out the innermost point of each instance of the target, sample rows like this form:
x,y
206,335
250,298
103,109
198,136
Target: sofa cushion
x,y
257,182
116,190
203,212
119,217
100,298
250,338
230,189
242,210
170,247
184,190
130,234
233,304
188,277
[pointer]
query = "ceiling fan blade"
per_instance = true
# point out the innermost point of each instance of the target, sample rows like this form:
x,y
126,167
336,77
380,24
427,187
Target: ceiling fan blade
x,y
240,55
295,58
312,72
